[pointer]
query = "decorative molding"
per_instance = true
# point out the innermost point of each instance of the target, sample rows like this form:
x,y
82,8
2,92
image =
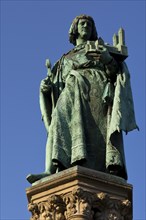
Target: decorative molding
x,y
109,208
80,204
52,209
33,208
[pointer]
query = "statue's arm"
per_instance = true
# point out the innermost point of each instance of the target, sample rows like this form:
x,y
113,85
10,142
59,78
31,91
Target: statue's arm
x,y
50,91
112,68
111,65
46,101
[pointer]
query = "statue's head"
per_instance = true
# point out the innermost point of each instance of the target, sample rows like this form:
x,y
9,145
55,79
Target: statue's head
x,y
73,31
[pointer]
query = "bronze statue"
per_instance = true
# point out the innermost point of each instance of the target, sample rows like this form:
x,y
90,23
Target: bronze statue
x,y
86,103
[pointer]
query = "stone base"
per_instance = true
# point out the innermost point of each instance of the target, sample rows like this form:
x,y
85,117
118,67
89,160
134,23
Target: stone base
x,y
79,193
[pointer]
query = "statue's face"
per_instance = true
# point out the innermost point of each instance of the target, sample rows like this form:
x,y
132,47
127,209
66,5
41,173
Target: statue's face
x,y
84,29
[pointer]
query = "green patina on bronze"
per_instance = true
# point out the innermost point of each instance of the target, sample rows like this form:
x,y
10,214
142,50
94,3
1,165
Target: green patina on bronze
x,y
86,102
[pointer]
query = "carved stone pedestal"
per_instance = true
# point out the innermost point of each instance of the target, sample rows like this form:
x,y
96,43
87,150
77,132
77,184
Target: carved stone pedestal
x,y
79,193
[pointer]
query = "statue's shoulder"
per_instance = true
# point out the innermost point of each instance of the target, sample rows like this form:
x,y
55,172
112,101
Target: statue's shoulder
x,y
76,50
70,53
65,55
58,63
64,59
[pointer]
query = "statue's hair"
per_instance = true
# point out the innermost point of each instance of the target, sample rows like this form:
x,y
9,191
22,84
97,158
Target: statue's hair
x,y
73,31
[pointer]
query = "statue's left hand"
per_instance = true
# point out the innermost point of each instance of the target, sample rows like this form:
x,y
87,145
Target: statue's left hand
x,y
104,56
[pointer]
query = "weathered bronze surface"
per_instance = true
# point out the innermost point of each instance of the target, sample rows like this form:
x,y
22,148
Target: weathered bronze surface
x,y
86,102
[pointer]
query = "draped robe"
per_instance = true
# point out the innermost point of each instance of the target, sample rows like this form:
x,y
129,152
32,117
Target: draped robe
x,y
81,129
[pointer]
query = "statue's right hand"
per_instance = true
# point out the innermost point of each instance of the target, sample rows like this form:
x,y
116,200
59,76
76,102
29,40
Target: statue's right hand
x,y
45,85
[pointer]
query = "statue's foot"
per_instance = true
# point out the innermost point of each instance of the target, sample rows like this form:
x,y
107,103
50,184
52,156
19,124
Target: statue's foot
x,y
31,178
115,170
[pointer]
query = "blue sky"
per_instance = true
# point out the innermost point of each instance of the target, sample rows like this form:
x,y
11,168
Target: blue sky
x,y
32,31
